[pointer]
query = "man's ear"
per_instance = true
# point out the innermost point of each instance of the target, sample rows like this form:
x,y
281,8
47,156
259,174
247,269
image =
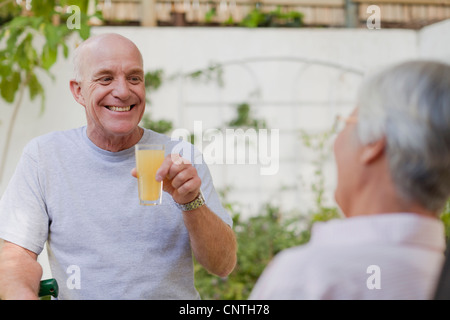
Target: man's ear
x,y
373,151
76,92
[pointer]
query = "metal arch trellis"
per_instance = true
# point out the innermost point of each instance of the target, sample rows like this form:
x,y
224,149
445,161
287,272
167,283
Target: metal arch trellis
x,y
214,71
244,61
256,88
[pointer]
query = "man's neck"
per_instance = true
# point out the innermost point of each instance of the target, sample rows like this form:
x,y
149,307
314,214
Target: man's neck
x,y
115,143
374,199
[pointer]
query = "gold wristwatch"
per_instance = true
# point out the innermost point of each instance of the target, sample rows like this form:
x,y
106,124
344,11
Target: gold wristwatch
x,y
194,204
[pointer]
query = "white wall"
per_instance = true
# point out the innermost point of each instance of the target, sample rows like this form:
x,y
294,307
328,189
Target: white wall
x,y
434,41
289,99
297,91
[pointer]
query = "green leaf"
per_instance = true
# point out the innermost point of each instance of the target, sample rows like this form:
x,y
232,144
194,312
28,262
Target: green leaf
x,y
19,56
153,79
34,86
18,23
26,55
43,8
85,31
12,39
36,22
65,50
9,86
49,56
51,35
5,69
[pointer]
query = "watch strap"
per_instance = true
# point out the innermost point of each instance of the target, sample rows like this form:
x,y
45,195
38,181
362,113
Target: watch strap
x,y
194,204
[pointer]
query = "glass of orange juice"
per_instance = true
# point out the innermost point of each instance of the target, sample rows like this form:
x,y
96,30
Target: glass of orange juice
x,y
149,158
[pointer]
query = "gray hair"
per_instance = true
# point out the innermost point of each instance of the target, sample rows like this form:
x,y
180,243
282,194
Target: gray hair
x,y
77,64
409,104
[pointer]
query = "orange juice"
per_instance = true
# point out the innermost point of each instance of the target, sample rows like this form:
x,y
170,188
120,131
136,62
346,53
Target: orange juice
x,y
148,161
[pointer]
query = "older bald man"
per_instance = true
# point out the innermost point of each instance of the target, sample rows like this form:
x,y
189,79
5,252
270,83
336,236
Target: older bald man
x,y
74,190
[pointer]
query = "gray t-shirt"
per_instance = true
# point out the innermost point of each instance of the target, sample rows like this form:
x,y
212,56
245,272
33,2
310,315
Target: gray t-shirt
x,y
101,243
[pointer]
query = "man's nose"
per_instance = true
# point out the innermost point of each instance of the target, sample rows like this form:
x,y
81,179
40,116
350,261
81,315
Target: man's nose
x,y
121,89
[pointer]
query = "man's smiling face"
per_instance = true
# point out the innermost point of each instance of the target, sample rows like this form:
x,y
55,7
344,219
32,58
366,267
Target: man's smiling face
x,y
112,86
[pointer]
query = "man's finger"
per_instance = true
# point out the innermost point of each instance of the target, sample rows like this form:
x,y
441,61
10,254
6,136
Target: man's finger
x,y
190,187
171,165
163,171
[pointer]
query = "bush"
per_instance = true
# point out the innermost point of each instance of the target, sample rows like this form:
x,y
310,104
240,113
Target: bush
x,y
259,239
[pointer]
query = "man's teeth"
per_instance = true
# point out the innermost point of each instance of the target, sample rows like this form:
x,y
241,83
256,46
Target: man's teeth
x,y
119,109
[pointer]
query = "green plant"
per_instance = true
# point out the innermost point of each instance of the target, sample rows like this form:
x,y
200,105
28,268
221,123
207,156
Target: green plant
x,y
153,79
320,144
210,14
257,19
26,56
161,126
291,19
259,239
244,118
229,21
214,72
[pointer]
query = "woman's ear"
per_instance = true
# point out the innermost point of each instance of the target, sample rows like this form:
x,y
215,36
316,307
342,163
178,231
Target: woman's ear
x,y
373,151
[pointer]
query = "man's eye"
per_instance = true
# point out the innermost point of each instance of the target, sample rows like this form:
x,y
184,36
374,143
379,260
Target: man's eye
x,y
105,80
135,80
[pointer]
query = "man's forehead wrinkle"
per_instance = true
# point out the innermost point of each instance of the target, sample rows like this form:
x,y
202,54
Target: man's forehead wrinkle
x,y
106,70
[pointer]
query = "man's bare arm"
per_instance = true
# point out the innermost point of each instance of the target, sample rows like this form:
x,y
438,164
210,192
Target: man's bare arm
x,y
212,240
20,273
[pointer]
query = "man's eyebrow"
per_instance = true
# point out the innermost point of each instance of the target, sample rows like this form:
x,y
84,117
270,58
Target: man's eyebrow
x,y
102,72
138,71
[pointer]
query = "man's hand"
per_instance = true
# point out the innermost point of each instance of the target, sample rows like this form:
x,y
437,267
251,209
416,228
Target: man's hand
x,y
212,240
179,177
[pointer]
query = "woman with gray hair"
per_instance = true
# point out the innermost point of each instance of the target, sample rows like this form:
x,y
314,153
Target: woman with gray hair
x,y
393,167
